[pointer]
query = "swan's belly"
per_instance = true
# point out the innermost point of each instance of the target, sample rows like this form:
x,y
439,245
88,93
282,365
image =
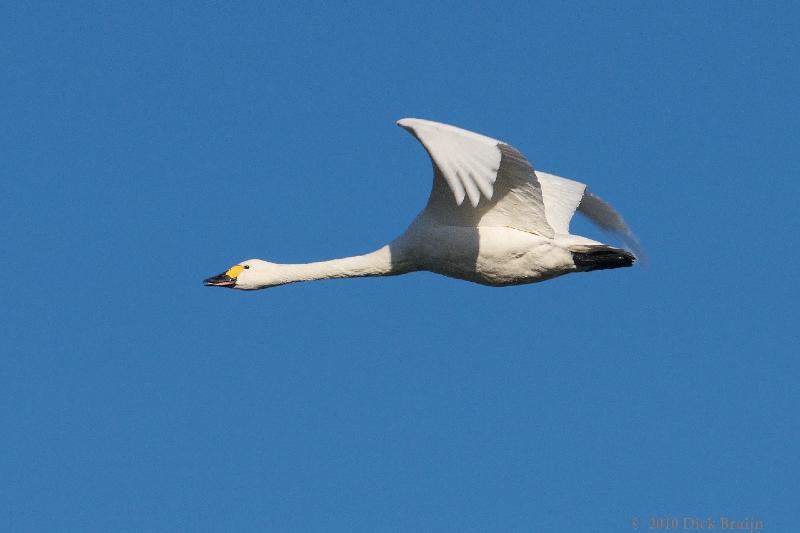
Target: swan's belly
x,y
491,256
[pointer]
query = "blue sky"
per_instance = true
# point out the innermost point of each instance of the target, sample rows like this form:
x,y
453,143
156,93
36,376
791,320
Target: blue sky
x,y
146,147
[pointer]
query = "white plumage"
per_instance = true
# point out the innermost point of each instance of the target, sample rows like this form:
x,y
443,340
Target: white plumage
x,y
468,161
513,229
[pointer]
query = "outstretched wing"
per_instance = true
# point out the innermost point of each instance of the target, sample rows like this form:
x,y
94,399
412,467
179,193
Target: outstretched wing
x,y
563,196
502,188
606,218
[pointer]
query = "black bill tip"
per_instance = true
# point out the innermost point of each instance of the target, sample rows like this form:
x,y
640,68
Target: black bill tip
x,y
223,280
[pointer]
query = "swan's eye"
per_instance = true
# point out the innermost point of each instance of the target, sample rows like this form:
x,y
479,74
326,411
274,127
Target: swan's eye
x,y
246,267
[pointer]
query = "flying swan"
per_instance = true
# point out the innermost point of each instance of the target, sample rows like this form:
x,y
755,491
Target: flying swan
x,y
512,229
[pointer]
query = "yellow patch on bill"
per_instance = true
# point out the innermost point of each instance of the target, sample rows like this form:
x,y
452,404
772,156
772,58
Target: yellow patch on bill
x,y
234,271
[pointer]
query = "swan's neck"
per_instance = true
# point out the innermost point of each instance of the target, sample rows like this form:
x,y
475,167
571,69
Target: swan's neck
x,y
377,263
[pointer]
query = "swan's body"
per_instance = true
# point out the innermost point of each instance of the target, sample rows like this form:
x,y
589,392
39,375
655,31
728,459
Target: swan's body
x,y
513,230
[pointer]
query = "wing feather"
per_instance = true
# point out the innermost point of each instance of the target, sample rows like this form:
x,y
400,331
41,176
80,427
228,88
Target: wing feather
x,y
606,218
561,197
500,183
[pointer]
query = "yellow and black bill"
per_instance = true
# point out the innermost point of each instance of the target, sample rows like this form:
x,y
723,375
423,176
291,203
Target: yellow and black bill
x,y
226,279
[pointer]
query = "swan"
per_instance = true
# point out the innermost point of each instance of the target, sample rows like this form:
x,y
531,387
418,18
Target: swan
x,y
512,229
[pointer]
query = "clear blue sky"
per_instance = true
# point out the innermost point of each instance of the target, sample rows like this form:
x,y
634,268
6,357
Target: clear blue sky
x,y
146,147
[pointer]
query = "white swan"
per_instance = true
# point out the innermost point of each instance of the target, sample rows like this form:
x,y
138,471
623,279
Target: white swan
x,y
513,229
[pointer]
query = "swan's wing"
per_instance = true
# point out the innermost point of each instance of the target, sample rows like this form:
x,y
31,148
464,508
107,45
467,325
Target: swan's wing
x,y
606,218
563,196
502,188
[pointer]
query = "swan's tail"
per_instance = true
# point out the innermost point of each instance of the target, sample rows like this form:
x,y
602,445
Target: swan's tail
x,y
600,257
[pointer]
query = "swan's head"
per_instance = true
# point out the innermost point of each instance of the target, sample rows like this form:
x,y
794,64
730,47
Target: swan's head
x,y
247,275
